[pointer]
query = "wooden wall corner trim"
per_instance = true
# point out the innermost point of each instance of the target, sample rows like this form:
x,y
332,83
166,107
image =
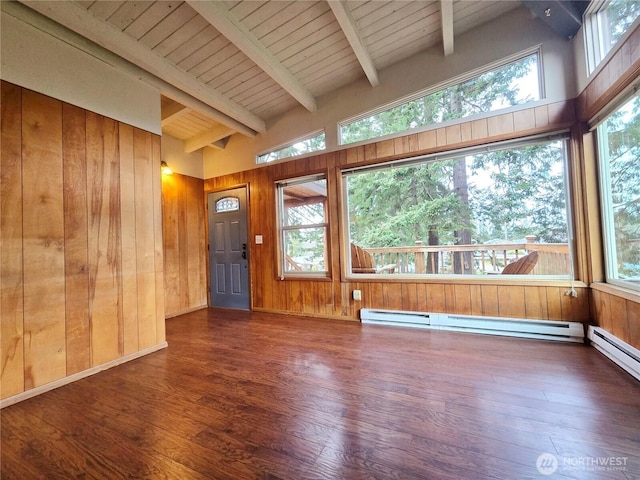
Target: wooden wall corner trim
x,y
79,376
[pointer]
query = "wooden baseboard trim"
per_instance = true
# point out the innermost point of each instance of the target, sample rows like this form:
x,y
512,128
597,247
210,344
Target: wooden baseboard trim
x,y
183,312
79,376
305,314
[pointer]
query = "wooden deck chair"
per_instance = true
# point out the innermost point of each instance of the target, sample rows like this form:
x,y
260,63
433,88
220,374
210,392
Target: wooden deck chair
x,y
362,262
522,266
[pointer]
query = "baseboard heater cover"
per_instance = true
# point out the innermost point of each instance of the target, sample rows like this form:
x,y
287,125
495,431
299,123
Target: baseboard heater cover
x,y
621,353
513,327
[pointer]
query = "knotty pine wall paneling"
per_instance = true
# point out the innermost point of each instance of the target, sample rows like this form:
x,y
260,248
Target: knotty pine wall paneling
x,y
129,241
11,249
104,239
144,168
333,298
171,230
184,221
196,242
78,326
80,238
43,240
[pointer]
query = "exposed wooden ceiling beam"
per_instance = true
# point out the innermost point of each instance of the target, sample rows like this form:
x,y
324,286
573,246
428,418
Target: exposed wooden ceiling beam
x,y
223,20
196,105
50,27
350,29
206,138
82,22
446,17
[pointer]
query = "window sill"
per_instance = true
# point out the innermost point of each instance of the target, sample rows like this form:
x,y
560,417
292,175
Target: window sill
x,y
314,277
524,280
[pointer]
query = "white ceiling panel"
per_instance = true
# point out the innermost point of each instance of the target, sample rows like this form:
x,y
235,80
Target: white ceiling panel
x,y
308,53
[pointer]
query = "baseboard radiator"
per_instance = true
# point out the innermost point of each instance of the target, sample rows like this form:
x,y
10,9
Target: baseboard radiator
x,y
619,352
541,329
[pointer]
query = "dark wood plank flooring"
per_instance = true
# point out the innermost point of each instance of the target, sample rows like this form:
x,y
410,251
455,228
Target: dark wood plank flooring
x,y
239,395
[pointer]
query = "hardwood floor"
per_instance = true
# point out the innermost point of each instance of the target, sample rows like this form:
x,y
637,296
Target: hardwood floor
x,y
239,395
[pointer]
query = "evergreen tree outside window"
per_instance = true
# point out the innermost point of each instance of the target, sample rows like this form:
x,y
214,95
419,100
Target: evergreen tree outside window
x,y
605,23
619,162
302,208
469,212
307,144
515,83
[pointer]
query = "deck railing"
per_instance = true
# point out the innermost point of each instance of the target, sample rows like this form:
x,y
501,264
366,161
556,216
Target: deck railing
x,y
553,258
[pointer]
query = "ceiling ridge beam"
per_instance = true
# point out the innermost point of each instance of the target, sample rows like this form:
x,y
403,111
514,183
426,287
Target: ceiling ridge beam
x,y
203,139
83,23
348,25
237,33
446,18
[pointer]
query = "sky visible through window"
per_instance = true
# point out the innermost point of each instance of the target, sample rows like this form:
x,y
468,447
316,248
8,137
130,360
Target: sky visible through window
x,y
306,145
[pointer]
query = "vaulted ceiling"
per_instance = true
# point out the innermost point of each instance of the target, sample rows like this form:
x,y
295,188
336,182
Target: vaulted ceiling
x,y
227,67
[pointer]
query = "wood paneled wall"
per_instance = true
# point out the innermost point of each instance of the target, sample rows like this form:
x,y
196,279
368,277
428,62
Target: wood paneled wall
x,y
332,298
617,314
185,254
81,265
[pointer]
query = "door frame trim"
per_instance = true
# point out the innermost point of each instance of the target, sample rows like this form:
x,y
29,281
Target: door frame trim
x,y
247,188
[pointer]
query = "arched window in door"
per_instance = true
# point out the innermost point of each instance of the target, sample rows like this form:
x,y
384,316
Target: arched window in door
x,y
227,204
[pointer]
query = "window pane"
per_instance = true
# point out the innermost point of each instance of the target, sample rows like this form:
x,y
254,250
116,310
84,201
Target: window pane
x,y
304,203
228,204
620,174
304,250
619,15
299,147
467,215
303,225
512,84
605,26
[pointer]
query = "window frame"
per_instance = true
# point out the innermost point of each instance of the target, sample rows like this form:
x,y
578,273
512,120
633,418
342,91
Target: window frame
x,y
536,50
281,230
562,280
594,32
308,136
607,229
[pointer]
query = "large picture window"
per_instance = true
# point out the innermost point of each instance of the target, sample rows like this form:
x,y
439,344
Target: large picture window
x,y
487,211
302,207
515,83
619,160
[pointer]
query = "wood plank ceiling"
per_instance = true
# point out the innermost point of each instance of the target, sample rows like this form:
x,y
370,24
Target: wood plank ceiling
x,y
227,67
